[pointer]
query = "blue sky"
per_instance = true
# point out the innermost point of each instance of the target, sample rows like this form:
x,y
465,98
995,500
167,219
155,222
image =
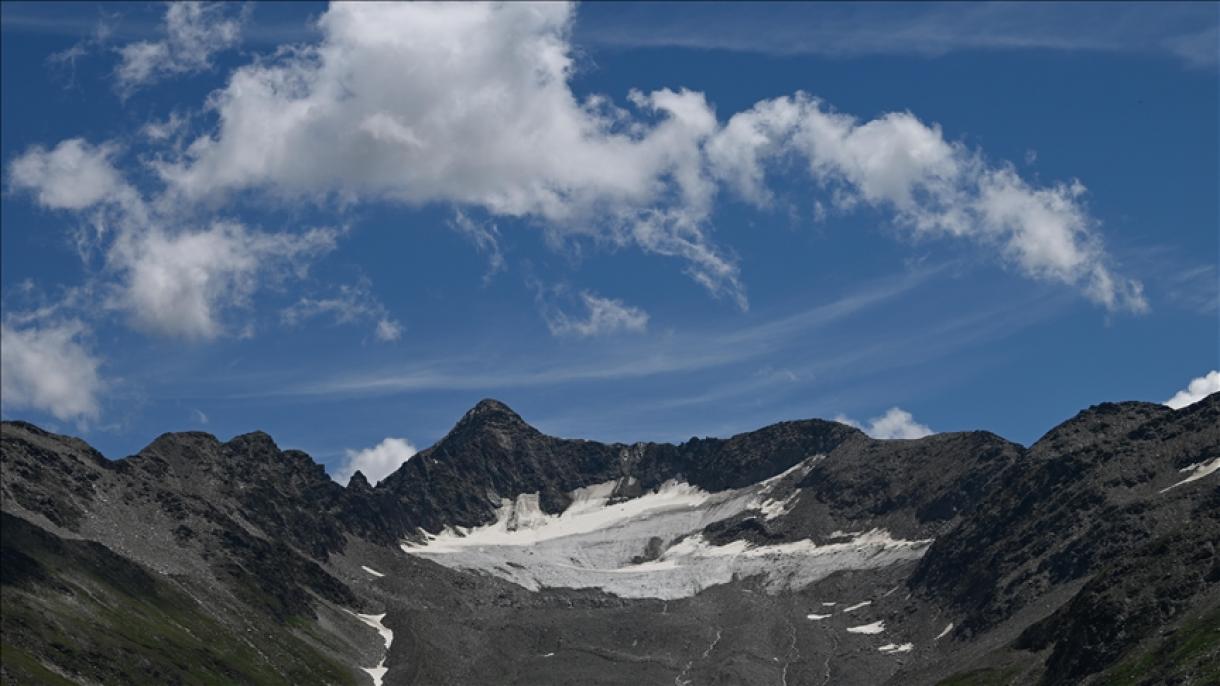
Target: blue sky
x,y
644,222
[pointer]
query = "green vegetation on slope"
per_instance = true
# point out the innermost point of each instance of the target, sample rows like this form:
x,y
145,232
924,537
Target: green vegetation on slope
x,y
1193,650
75,611
982,677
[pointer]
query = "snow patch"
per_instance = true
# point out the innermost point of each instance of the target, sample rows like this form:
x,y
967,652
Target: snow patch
x,y
945,632
874,628
378,672
770,507
816,617
891,648
857,606
372,571
1197,471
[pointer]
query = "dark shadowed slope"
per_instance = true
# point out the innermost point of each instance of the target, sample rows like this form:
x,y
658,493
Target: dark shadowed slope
x,y
1088,558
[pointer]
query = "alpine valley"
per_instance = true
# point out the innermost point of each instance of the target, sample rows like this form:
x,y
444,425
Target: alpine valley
x,y
801,553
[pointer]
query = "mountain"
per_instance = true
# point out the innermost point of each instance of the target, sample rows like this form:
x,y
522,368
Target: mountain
x,y
801,553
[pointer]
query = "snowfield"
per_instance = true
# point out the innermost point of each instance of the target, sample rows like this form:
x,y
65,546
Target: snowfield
x,y
1197,471
378,672
650,546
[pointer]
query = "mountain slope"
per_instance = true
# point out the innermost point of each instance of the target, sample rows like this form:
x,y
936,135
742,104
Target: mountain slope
x,y
804,552
1102,539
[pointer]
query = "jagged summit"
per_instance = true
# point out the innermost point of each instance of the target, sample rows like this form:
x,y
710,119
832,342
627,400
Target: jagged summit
x,y
491,413
207,446
1104,421
489,428
358,482
488,406
254,440
546,555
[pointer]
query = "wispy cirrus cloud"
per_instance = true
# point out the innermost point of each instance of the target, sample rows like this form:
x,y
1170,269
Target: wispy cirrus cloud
x,y
690,352
193,33
347,304
600,316
485,237
1182,30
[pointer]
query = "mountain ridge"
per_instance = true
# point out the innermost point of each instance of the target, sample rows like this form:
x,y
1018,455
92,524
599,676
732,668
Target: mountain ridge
x,y
1014,559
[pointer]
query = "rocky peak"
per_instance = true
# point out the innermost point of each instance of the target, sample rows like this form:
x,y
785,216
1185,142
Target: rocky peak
x,y
492,414
254,443
490,424
181,453
358,483
245,458
1100,423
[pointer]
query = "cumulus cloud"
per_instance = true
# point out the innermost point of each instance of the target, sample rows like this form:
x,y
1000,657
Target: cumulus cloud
x,y
47,367
375,463
470,104
601,316
1198,389
73,175
932,187
895,423
194,33
178,284
172,278
351,303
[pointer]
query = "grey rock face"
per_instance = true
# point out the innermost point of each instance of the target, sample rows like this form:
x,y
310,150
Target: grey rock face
x,y
1087,558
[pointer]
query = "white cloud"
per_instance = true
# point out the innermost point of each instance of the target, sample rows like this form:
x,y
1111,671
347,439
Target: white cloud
x,y
179,284
375,463
99,35
194,32
1185,30
200,416
47,367
486,239
1196,390
171,278
933,187
895,423
484,117
388,330
602,316
74,175
351,303
168,129
467,104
